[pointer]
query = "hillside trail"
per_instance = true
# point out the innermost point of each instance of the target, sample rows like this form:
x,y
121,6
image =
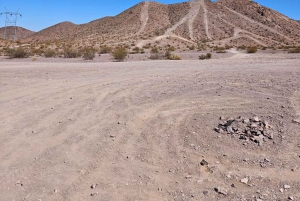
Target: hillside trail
x,y
144,17
205,19
236,34
257,23
192,14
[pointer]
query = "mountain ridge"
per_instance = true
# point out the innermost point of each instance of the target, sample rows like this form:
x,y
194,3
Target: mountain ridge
x,y
225,22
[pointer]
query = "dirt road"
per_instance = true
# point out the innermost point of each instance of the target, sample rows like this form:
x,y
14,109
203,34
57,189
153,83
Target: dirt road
x,y
139,130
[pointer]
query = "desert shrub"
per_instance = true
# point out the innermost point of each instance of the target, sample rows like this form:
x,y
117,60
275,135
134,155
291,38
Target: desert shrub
x,y
136,50
17,53
71,53
243,47
174,57
191,47
49,53
205,56
35,51
105,50
294,50
251,50
171,49
120,53
88,53
154,50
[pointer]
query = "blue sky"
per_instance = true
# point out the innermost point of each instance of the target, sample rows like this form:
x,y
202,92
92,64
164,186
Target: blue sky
x,y
40,14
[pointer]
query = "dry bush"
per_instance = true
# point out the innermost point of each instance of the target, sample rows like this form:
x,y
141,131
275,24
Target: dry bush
x,y
88,53
120,54
17,53
205,56
105,50
251,50
174,57
71,53
294,50
49,53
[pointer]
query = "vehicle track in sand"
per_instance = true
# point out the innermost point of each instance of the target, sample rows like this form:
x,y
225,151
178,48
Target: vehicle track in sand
x,y
135,127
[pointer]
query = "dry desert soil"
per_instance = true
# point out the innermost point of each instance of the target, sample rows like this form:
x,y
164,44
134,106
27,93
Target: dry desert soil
x,y
145,130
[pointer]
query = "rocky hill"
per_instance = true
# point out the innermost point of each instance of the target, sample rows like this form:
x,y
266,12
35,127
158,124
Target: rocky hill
x,y
231,22
21,32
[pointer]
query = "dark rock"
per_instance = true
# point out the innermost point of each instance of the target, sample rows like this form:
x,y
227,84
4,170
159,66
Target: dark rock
x,y
203,162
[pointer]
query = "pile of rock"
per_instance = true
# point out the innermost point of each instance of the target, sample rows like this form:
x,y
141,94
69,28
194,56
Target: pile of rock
x,y
253,129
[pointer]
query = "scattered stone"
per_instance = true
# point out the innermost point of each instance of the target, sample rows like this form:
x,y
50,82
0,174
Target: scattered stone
x,y
291,198
55,191
222,118
248,129
94,194
297,121
205,192
203,163
281,190
245,180
286,186
259,199
112,136
93,186
255,119
221,191
188,176
20,183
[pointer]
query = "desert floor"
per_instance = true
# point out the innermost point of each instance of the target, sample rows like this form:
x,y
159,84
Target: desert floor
x,y
138,130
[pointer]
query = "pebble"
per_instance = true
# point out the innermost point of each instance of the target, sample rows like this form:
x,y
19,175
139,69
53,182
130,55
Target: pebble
x,y
221,191
291,198
286,186
245,180
255,119
93,186
203,162
188,176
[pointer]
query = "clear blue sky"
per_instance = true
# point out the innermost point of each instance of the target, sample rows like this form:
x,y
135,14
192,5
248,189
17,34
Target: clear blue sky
x,y
40,14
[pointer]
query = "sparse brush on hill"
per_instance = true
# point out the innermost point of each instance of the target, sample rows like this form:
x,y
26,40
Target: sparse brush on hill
x,y
88,53
49,53
120,54
17,53
251,50
205,56
71,53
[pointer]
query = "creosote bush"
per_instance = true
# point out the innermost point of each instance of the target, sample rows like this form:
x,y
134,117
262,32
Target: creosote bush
x,y
17,53
105,50
205,56
120,53
88,53
49,53
294,50
251,50
71,53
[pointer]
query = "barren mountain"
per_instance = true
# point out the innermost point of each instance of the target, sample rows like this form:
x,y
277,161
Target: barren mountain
x,y
21,32
232,22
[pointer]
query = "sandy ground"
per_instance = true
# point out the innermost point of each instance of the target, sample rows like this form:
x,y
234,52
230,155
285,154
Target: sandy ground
x,y
139,130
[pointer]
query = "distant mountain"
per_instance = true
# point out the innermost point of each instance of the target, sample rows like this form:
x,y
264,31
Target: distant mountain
x,y
21,32
231,22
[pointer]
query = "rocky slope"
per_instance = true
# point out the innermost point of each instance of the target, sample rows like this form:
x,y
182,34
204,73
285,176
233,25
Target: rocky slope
x,y
231,22
21,32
